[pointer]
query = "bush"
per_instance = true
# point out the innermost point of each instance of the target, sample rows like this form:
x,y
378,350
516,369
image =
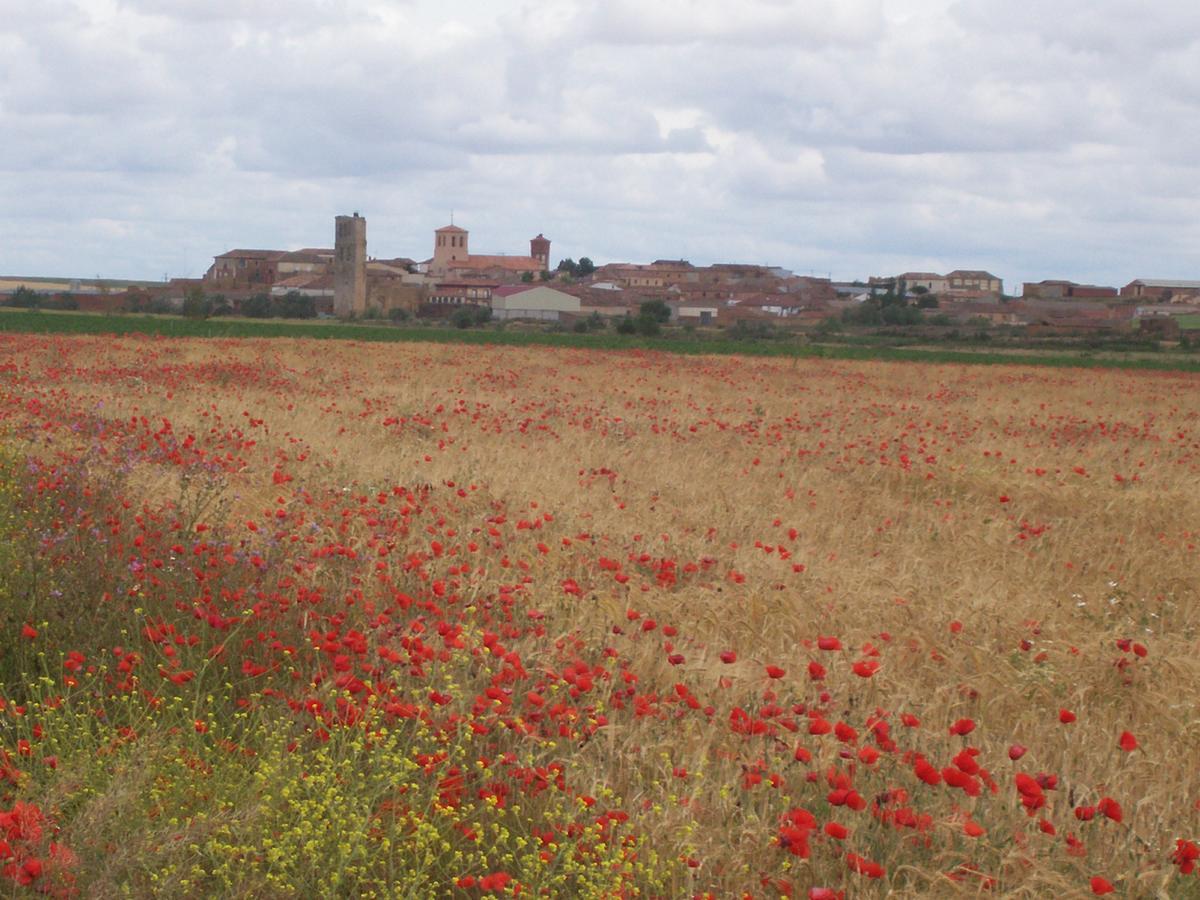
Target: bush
x,y
743,330
63,301
257,307
399,315
295,305
24,298
656,310
195,304
647,325
470,316
627,326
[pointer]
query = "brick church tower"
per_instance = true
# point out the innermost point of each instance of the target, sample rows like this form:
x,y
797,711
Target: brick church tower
x,y
539,249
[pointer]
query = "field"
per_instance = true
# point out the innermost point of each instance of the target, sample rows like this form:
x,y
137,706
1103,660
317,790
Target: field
x,y
308,618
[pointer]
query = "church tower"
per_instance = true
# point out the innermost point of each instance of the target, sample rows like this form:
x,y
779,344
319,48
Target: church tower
x,y
539,249
449,247
350,266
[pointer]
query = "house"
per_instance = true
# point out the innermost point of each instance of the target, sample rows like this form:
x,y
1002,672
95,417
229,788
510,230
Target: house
x,y
462,293
1162,290
1052,289
245,267
697,313
930,281
527,301
973,281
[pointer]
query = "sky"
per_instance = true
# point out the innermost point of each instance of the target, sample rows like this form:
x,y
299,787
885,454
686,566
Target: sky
x,y
842,138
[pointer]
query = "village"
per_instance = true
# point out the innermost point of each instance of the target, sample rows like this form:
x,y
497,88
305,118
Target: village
x,y
345,282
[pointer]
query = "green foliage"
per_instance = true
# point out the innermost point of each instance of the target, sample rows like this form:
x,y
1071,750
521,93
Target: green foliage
x,y
581,269
195,304
24,298
647,326
257,306
656,310
627,326
63,301
927,301
594,322
295,305
527,277
399,314
900,314
757,330
471,316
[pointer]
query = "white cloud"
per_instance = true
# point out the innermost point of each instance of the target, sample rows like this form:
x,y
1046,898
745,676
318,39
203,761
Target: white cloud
x,y
846,135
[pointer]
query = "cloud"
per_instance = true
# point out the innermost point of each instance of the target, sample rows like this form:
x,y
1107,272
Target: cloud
x,y
851,136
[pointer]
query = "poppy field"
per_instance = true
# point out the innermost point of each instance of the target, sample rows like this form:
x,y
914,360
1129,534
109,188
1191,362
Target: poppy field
x,y
303,618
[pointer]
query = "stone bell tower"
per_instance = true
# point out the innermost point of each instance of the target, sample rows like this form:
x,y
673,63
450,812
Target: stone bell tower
x,y
350,266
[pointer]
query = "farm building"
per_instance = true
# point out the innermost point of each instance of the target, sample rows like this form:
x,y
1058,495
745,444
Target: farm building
x,y
520,301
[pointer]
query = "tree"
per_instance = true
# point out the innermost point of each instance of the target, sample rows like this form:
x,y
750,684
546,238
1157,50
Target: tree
x,y
195,304
656,310
647,326
547,275
584,267
627,326
567,267
927,301
527,277
295,305
257,307
24,298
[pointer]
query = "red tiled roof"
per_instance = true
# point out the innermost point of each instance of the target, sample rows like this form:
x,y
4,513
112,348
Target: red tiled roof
x,y
509,263
509,290
252,254
450,229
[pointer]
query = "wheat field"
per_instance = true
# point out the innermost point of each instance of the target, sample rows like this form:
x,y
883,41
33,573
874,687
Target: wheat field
x,y
655,625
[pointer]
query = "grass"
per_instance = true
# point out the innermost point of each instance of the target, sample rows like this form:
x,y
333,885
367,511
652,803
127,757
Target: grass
x,y
46,322
357,617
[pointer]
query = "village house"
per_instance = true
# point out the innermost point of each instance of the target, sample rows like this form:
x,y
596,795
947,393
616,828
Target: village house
x,y
931,282
1053,289
973,282
1162,290
245,267
961,284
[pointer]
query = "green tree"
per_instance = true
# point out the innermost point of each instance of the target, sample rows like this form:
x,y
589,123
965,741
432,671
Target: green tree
x,y
527,277
647,326
195,304
567,266
257,307
627,326
24,298
295,305
656,310
584,267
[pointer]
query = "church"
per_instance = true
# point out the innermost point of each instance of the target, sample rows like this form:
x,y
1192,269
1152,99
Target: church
x,y
452,258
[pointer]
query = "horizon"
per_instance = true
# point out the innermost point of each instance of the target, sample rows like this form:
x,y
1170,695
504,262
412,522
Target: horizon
x,y
835,138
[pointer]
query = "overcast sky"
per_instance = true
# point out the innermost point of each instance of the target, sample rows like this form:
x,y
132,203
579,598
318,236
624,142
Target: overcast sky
x,y
138,138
